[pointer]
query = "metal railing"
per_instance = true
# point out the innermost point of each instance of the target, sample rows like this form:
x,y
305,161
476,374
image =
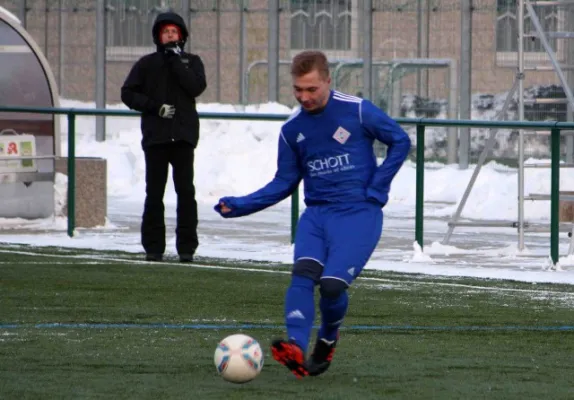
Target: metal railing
x,y
555,129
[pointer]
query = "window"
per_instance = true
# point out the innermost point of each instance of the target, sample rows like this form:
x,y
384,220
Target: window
x,y
129,25
551,19
321,24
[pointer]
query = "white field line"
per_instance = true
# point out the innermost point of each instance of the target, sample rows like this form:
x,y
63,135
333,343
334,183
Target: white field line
x,y
104,260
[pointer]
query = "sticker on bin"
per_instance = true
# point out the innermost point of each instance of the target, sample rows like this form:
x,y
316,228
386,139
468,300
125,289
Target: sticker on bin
x,y
17,146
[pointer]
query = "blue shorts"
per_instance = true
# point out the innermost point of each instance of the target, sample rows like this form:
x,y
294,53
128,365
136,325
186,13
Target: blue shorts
x,y
340,237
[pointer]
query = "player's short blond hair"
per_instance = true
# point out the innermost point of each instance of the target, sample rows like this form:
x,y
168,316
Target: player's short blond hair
x,y
310,60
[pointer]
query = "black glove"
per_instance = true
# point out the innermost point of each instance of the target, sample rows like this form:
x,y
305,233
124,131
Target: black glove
x,y
172,48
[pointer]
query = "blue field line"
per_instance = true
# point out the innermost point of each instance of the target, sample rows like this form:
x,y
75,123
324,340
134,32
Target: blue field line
x,y
509,328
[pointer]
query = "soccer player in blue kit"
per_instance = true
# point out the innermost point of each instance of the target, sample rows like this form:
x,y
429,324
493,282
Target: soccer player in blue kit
x,y
328,143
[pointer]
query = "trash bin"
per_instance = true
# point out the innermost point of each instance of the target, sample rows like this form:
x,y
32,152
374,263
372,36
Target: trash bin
x,y
567,208
91,190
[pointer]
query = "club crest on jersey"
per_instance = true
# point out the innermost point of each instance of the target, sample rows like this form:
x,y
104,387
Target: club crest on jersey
x,y
341,135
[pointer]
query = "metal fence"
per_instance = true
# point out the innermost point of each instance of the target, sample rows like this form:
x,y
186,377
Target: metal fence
x,y
421,124
233,35
234,39
387,50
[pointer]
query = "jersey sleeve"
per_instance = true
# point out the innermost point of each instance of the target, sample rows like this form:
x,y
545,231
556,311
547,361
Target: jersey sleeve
x,y
385,129
285,181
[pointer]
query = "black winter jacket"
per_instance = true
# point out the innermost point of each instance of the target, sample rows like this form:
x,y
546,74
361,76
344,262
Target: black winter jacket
x,y
159,78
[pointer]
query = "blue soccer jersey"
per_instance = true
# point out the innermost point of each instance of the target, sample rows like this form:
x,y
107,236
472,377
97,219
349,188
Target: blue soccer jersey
x,y
332,151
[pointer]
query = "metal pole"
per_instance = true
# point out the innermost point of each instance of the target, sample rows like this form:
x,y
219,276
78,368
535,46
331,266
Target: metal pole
x,y
419,42
218,52
62,46
71,174
46,28
420,178
242,78
465,80
427,48
569,138
520,77
368,49
569,22
452,131
395,106
186,15
23,12
273,52
100,68
294,213
554,194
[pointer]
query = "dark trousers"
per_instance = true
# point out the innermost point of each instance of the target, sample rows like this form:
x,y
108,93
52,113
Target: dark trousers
x,y
157,159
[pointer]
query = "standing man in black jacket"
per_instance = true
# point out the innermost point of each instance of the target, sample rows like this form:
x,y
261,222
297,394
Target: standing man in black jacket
x,y
163,86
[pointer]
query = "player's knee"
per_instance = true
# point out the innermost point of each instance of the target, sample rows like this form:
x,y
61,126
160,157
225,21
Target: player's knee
x,y
308,268
332,288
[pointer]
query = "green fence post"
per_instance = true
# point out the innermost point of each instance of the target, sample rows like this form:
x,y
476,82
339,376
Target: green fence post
x,y
71,174
294,213
420,170
554,193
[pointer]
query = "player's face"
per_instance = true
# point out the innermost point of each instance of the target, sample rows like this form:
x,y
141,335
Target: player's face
x,y
311,90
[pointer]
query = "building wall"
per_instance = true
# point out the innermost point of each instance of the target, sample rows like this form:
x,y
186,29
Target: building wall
x,y
68,40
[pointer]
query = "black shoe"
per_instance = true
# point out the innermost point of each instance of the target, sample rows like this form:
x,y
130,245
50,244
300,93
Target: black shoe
x,y
186,258
290,355
153,257
320,360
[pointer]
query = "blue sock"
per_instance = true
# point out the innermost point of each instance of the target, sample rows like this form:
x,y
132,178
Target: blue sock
x,y
300,310
332,313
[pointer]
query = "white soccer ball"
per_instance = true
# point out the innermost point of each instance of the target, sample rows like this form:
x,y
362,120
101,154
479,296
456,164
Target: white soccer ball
x,y
238,358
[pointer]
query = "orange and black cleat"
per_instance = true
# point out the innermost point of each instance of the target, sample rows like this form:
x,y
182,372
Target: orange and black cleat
x,y
290,355
320,360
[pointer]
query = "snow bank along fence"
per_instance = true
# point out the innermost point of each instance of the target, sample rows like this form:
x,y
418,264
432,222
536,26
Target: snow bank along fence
x,y
555,129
